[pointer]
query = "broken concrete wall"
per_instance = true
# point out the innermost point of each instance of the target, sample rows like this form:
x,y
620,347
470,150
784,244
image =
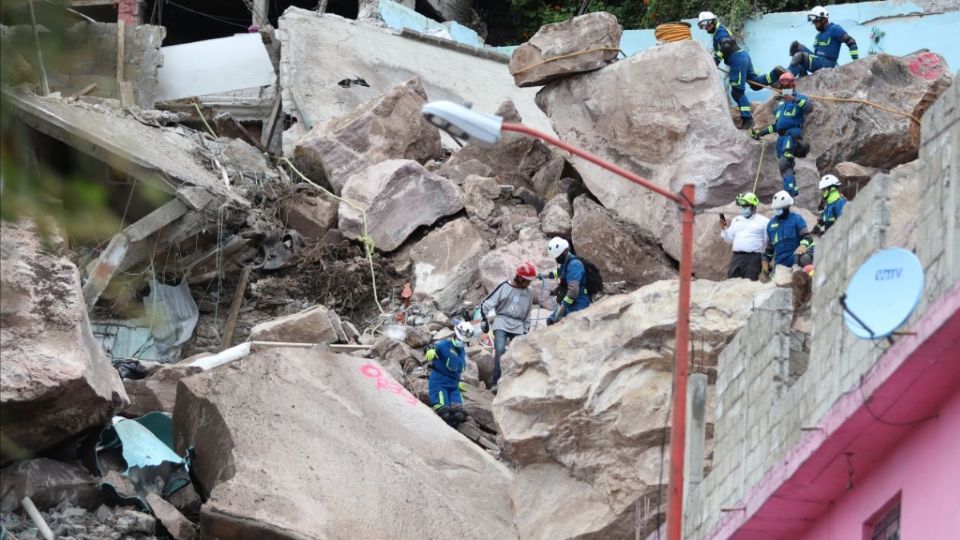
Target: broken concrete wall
x,y
319,52
92,58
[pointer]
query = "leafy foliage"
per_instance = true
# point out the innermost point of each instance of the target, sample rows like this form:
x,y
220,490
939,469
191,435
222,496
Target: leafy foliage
x,y
529,15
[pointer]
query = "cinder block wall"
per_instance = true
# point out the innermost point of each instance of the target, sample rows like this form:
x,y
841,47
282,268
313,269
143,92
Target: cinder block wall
x,y
87,54
758,416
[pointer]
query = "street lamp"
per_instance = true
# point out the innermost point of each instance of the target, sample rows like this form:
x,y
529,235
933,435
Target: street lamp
x,y
486,129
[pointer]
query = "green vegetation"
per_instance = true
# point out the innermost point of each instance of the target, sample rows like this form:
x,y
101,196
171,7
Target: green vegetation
x,y
529,15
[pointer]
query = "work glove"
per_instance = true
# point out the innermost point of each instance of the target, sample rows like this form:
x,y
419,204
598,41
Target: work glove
x,y
491,315
431,355
800,251
765,267
755,134
462,386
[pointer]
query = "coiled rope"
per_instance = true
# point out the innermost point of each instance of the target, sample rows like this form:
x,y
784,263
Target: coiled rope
x,y
366,239
672,32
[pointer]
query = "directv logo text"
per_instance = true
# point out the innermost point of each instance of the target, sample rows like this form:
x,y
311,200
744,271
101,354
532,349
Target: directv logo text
x,y
887,274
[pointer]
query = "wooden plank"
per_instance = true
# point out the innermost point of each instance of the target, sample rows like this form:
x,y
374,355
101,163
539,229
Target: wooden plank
x,y
272,122
86,90
127,98
44,85
235,309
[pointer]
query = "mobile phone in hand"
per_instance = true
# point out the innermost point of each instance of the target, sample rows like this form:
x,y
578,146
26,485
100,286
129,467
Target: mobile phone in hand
x,y
723,218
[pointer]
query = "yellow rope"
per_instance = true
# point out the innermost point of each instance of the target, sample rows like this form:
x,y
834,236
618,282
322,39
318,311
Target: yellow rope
x,y
841,100
366,239
763,148
672,32
564,57
204,119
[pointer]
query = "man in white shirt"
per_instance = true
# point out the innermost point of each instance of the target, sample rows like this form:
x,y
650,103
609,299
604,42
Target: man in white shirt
x,y
748,234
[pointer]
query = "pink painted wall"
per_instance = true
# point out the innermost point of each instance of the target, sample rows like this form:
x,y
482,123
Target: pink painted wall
x,y
925,469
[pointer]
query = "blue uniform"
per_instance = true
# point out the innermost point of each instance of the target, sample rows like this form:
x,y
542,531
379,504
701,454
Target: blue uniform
x,y
784,236
830,213
718,34
826,50
741,71
572,270
448,362
789,127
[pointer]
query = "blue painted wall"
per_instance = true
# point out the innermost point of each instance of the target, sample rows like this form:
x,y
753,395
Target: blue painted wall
x,y
906,29
397,16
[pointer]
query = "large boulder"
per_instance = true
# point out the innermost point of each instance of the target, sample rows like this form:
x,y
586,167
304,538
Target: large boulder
x,y
156,392
445,262
556,215
515,159
867,135
583,406
303,443
314,325
312,217
48,483
661,113
387,127
501,265
55,379
397,196
618,251
585,43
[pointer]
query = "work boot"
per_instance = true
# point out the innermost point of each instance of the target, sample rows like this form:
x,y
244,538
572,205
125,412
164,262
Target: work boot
x,y
746,123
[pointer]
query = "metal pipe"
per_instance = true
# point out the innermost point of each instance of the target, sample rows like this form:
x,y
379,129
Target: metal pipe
x,y
38,520
685,200
678,426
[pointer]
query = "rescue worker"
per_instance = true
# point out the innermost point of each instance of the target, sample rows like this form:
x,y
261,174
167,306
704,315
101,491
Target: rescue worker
x,y
447,359
748,234
741,74
572,275
826,45
708,23
507,309
834,203
788,125
787,236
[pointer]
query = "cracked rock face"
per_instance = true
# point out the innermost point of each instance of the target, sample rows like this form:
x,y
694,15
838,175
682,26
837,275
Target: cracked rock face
x,y
397,196
671,126
866,135
445,262
583,405
304,443
587,42
55,380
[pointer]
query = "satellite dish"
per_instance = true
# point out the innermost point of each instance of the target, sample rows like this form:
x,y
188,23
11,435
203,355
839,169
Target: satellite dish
x,y
883,293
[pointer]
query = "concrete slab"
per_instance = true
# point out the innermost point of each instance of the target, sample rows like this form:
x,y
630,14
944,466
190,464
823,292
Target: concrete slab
x,y
319,51
161,157
213,66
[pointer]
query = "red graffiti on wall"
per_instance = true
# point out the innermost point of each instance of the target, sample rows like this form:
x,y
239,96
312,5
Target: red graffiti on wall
x,y
926,65
383,384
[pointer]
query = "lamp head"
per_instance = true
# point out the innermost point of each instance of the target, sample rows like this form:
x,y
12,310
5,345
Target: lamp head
x,y
463,122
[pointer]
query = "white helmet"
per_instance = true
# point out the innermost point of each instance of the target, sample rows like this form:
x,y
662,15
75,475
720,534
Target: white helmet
x,y
818,12
557,246
782,199
828,180
705,18
465,331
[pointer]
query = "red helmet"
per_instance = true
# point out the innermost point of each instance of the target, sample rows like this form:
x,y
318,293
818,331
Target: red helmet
x,y
787,80
527,271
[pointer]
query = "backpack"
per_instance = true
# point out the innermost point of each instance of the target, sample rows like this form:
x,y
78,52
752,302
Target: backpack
x,y
593,281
